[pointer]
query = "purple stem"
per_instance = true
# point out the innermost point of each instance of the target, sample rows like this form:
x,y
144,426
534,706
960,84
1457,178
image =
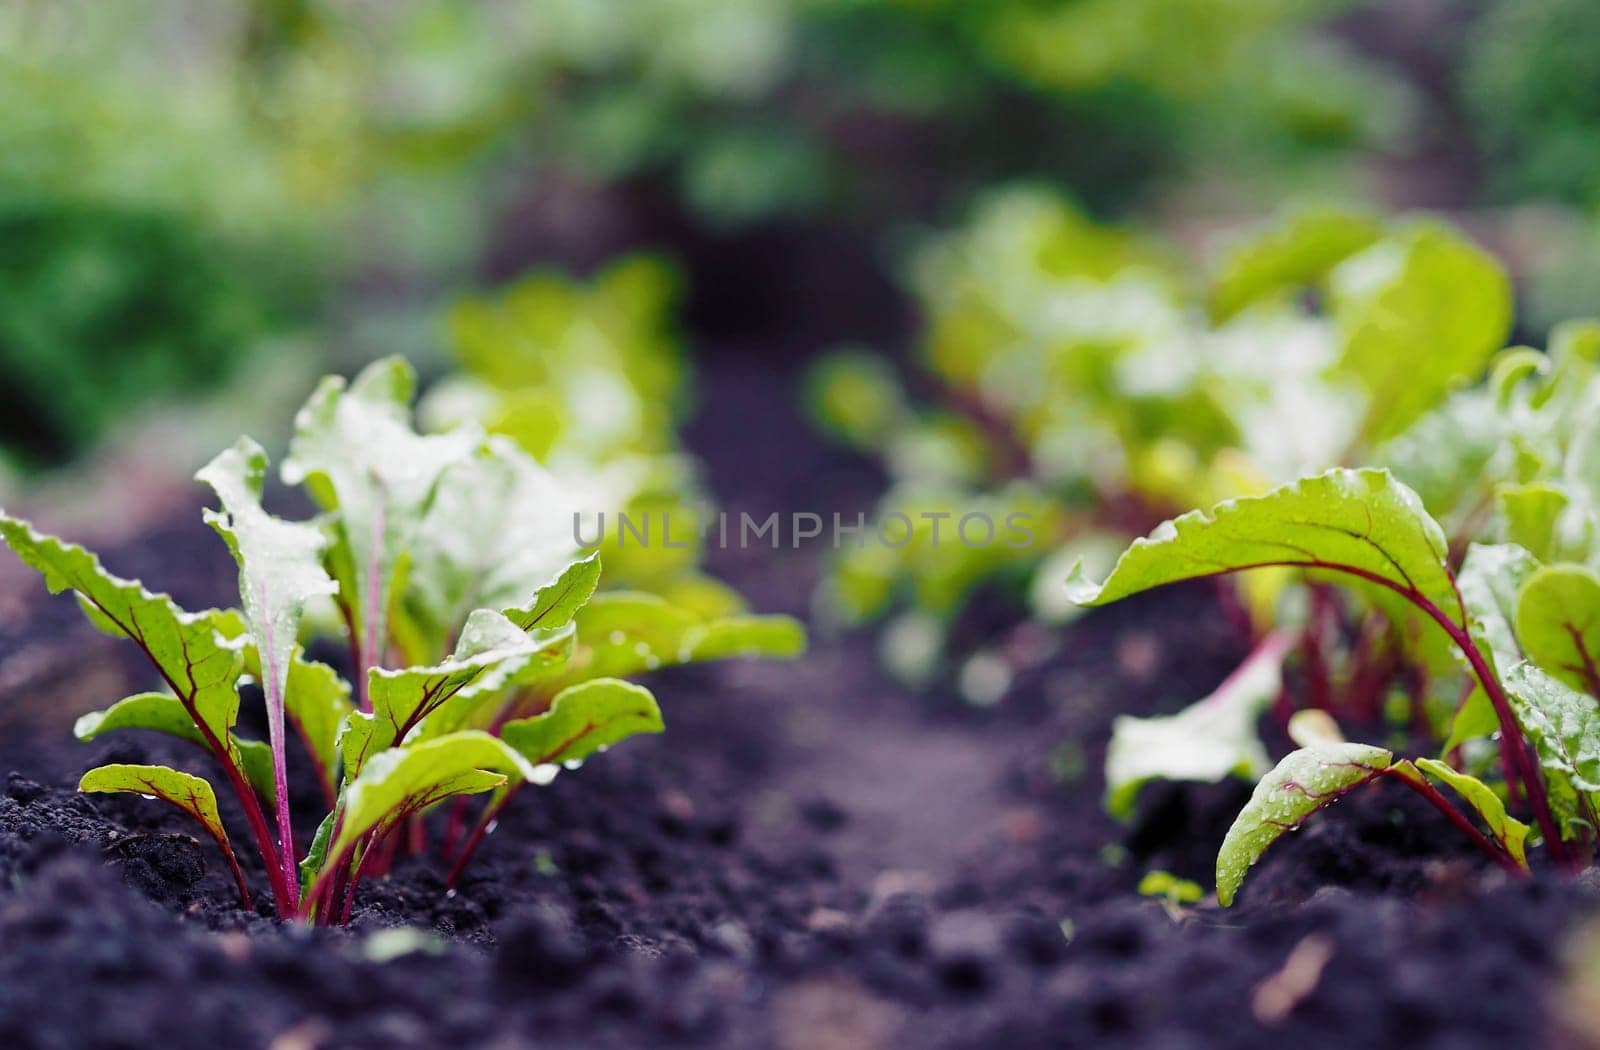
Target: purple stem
x,y
280,763
1512,741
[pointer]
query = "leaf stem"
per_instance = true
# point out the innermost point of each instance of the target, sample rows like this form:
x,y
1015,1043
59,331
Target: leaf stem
x,y
486,820
1486,845
273,684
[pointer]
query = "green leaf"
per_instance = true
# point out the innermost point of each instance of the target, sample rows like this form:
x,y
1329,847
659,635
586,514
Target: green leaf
x,y
1558,622
1304,782
399,782
280,564
1361,522
1507,830
162,713
186,791
1490,579
280,570
557,602
317,853
319,702
491,651
1287,256
498,535
1420,318
856,397
624,633
584,719
1211,739
1530,516
1563,725
200,666
356,452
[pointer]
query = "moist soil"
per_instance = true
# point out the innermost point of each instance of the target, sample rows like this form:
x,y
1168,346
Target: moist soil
x,y
810,857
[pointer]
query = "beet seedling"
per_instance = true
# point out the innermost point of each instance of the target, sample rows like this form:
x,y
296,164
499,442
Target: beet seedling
x,y
1523,631
450,552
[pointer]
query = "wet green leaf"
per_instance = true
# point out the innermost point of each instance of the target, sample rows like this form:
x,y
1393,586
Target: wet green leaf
x,y
162,713
1304,782
186,791
1563,725
399,782
584,719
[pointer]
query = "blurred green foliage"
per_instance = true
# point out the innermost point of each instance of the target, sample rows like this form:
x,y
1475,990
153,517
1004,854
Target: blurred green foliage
x,y
1091,378
1532,86
590,379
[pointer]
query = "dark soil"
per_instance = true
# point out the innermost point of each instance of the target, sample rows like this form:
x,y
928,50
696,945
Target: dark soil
x,y
809,858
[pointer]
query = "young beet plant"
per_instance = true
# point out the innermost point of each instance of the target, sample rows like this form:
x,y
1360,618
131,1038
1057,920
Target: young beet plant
x,y
452,553
1526,633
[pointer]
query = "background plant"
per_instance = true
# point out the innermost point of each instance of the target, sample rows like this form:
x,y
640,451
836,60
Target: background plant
x,y
1078,373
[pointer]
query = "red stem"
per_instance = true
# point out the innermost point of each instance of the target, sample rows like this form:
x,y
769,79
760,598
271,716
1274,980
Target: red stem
x,y
273,687
246,794
456,825
491,813
1487,845
1511,738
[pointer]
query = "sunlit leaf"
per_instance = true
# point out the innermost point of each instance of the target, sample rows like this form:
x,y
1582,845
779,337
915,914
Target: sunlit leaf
x,y
356,452
1359,522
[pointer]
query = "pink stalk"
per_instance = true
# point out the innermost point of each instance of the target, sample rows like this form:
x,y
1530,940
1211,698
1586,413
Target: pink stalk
x,y
273,685
1513,745
491,813
1486,845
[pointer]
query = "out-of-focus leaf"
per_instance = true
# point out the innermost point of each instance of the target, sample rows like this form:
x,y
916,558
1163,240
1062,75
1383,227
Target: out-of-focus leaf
x,y
1558,623
1211,739
1420,317
856,396
1288,256
624,633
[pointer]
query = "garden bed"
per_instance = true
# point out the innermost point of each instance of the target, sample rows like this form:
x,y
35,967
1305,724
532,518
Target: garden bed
x,y
808,857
